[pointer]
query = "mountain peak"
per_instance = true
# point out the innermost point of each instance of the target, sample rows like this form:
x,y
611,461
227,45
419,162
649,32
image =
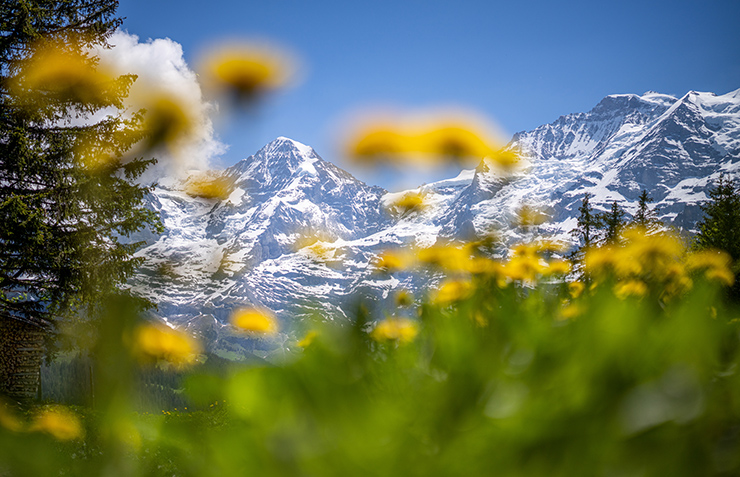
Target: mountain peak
x,y
283,145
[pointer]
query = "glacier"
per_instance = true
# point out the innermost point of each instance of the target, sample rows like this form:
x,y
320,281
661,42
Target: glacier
x,y
298,235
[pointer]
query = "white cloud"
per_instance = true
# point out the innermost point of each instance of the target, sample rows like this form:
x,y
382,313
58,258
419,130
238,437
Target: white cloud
x,y
161,68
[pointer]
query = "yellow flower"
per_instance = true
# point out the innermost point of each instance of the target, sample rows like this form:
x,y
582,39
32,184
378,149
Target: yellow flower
x,y
258,321
395,329
404,298
601,261
409,202
576,289
456,141
571,311
59,422
505,158
57,70
209,186
528,216
160,342
247,71
377,143
446,257
524,267
308,339
390,261
452,291
437,138
557,267
714,263
167,121
634,288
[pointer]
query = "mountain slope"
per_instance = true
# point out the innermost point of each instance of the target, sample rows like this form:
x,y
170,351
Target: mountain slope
x,y
299,235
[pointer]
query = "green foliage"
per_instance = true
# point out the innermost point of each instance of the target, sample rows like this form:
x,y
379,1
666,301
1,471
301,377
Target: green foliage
x,y
720,226
502,383
613,222
586,230
62,221
645,217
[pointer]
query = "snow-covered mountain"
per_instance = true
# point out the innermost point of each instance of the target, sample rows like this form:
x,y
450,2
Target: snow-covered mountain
x,y
298,235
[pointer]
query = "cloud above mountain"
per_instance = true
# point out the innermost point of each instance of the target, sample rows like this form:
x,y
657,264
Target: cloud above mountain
x,y
161,69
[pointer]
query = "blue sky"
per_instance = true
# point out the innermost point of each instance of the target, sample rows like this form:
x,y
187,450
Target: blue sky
x,y
520,63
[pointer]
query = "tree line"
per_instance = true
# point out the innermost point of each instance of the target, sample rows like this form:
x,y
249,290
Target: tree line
x,y
719,227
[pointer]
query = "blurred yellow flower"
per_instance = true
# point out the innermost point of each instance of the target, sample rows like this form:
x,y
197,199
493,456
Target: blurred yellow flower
x,y
378,143
308,339
436,138
404,298
159,342
505,158
576,289
258,321
407,203
455,141
557,267
59,422
447,257
391,261
601,261
528,216
524,267
401,330
630,288
452,291
209,186
167,121
246,71
57,70
714,263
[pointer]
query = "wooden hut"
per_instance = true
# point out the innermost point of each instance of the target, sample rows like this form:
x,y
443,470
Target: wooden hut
x,y
21,352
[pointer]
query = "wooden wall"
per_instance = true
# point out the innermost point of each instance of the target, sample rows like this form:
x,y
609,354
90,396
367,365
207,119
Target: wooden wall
x,y
21,352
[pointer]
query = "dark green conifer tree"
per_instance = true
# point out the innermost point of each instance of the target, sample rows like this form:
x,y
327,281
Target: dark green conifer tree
x,y
59,244
646,217
720,226
587,228
612,223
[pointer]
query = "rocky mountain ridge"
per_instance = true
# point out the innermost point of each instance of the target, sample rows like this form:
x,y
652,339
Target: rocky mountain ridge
x,y
298,235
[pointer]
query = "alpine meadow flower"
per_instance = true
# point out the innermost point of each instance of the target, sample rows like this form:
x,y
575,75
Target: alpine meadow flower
x,y
401,330
59,422
255,321
247,72
158,342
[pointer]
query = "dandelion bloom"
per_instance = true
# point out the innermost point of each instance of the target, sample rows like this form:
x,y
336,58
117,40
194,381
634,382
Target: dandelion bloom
x,y
160,342
407,203
59,422
714,263
308,339
247,71
452,291
56,70
631,288
455,140
557,267
389,261
209,186
402,330
435,138
168,121
256,321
